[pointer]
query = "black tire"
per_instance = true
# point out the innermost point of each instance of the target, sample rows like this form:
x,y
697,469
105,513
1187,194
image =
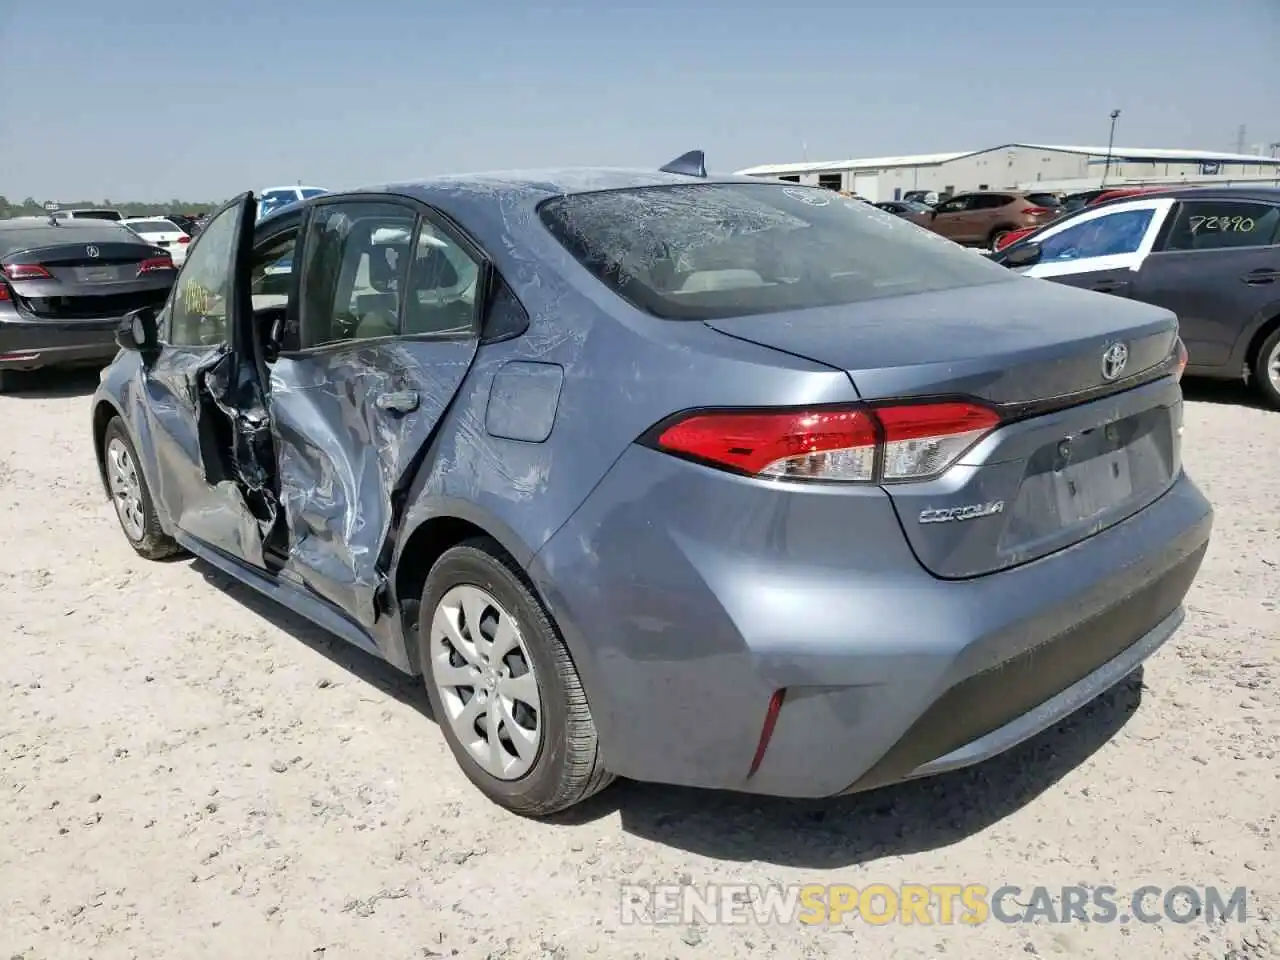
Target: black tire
x,y
568,767
8,380
998,234
154,543
1268,356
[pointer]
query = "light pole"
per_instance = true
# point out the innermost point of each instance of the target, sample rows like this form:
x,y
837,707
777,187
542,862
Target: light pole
x,y
1111,140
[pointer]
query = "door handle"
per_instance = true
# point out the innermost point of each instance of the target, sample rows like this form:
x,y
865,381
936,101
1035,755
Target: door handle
x,y
1258,277
1110,286
403,401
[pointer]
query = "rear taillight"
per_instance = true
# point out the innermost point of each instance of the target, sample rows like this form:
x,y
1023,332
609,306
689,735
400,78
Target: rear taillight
x,y
1036,211
1180,365
4,292
154,264
26,271
184,239
888,443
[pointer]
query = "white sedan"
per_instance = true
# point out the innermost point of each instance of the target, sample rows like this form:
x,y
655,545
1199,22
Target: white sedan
x,y
161,232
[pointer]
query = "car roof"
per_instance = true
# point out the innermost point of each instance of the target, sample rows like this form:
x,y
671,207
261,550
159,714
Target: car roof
x,y
466,194
1262,194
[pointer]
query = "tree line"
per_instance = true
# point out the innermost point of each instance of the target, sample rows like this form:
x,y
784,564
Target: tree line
x,y
31,207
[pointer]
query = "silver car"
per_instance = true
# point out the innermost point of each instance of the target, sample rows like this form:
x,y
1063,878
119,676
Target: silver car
x,y
694,479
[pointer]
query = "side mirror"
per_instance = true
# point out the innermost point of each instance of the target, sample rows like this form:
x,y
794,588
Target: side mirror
x,y
139,332
1021,255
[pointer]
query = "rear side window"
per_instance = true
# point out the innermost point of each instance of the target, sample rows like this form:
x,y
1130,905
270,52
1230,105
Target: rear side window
x,y
1220,224
991,201
1043,200
1115,234
706,251
357,256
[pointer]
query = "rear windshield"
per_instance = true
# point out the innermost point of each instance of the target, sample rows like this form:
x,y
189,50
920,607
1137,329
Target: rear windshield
x,y
707,251
96,214
153,226
16,235
309,192
1044,200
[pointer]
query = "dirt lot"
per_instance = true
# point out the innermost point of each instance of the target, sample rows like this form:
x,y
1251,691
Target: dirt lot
x,y
189,772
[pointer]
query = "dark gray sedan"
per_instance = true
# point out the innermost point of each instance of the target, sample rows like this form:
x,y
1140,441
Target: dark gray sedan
x,y
693,479
65,286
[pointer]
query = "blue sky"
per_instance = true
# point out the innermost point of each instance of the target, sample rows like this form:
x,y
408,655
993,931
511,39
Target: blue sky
x,y
146,101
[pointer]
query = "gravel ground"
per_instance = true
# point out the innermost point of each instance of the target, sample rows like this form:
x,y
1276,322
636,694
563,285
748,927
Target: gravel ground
x,y
189,772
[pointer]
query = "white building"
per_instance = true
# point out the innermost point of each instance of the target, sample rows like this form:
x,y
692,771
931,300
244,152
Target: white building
x,y
1025,166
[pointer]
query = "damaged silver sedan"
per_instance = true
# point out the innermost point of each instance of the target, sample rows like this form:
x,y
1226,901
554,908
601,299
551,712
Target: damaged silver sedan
x,y
701,480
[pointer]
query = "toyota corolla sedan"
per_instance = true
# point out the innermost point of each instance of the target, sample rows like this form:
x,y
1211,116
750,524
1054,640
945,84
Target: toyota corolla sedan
x,y
684,478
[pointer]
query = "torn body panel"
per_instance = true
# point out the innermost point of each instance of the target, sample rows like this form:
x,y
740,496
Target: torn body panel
x,y
350,428
198,431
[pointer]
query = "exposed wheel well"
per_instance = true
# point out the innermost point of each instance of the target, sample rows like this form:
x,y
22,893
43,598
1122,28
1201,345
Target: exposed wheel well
x,y
1003,228
1255,345
425,546
102,415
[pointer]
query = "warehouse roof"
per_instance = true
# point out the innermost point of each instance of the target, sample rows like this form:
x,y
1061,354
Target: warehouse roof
x,y
1118,154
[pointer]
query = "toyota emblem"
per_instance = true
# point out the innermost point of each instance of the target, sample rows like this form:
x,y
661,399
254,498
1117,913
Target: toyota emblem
x,y
91,251
1114,359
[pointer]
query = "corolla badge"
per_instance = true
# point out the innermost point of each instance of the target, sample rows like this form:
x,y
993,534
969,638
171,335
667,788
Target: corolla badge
x,y
970,511
1114,359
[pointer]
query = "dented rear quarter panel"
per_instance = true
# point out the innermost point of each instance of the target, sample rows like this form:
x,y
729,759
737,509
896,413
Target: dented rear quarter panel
x,y
622,372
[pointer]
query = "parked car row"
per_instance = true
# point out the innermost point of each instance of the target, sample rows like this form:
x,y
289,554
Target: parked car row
x,y
740,401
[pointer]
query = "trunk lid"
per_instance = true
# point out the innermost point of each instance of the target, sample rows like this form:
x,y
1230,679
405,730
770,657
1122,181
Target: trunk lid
x,y
88,280
1079,453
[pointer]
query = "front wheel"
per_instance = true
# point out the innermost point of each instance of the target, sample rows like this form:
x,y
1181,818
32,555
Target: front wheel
x,y
131,497
1266,370
503,686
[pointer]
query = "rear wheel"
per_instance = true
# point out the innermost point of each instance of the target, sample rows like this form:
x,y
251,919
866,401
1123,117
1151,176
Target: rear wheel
x,y
131,497
503,686
1266,369
998,234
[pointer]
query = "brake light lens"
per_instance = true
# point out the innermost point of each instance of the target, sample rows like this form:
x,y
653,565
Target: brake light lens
x,y
833,444
154,264
184,239
923,440
1036,211
26,271
4,292
1183,357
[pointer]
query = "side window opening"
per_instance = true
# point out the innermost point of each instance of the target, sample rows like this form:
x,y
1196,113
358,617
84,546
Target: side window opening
x,y
353,278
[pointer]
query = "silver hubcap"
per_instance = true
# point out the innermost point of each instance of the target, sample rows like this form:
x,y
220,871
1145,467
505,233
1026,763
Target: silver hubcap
x,y
1273,366
126,488
484,676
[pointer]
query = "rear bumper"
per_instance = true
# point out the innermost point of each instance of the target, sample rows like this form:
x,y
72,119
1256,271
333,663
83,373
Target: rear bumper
x,y
33,344
688,598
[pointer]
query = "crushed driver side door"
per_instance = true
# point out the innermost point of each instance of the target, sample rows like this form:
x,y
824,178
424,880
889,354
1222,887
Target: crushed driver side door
x,y
199,438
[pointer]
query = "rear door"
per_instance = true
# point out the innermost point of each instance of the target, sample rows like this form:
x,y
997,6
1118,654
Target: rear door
x,y
1101,249
1217,266
189,412
387,331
